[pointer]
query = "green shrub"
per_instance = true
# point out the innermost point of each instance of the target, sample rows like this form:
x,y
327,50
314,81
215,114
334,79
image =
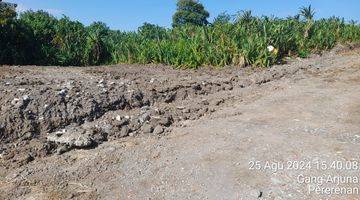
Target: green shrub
x,y
15,39
96,50
70,41
42,26
242,39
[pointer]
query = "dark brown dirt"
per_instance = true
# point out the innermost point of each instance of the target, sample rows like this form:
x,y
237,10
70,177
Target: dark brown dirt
x,y
46,109
53,110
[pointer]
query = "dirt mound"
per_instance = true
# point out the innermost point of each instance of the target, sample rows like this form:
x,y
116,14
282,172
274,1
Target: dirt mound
x,y
48,110
130,110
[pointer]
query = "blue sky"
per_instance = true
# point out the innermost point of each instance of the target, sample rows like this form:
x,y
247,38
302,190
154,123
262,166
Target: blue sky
x,y
129,14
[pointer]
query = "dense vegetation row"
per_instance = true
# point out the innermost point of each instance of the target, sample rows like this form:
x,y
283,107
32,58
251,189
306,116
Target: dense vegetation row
x,y
41,39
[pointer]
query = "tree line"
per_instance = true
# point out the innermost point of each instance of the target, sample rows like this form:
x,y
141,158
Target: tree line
x,y
38,38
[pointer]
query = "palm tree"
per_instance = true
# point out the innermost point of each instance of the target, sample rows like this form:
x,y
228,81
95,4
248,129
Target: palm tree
x,y
307,12
244,16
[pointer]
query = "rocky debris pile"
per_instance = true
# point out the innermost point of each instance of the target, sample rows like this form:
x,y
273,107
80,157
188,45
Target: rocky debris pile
x,y
91,134
144,121
48,104
77,137
104,103
49,109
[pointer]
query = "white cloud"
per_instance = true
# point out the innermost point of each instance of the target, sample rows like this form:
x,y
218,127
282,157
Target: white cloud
x,y
56,12
21,8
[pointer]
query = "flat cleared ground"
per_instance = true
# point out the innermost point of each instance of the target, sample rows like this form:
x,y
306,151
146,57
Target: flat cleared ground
x,y
280,136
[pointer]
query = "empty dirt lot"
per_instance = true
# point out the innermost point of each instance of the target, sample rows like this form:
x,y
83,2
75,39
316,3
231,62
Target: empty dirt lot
x,y
129,132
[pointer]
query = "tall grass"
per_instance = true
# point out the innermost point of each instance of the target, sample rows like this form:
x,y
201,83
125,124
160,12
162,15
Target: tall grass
x,y
236,41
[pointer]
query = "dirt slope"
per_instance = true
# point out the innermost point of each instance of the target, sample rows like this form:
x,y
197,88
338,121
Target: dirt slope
x,y
218,128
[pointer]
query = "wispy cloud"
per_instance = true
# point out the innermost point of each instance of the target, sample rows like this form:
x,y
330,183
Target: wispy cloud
x,y
21,8
56,12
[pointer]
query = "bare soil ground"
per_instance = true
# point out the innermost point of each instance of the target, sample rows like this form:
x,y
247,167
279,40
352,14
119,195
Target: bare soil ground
x,y
150,132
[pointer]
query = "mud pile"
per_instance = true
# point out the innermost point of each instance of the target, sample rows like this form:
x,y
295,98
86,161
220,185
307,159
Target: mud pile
x,y
47,110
